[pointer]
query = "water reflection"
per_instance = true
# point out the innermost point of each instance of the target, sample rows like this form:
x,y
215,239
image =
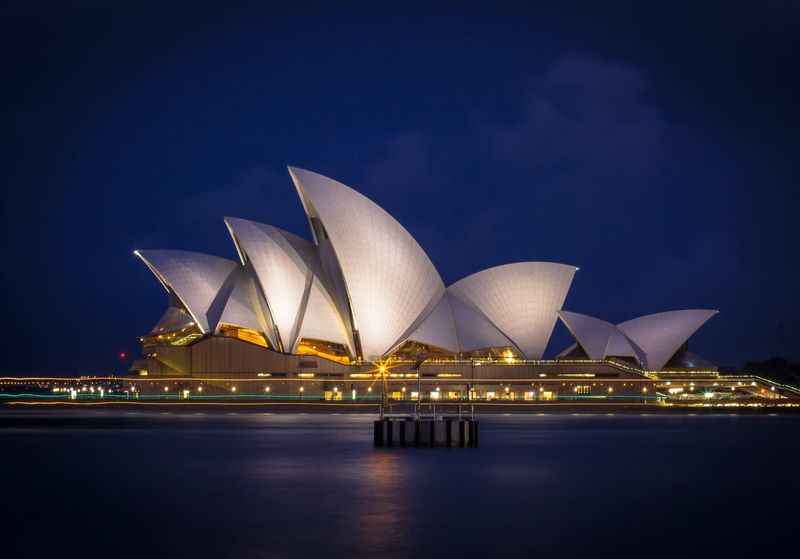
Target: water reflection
x,y
282,485
381,505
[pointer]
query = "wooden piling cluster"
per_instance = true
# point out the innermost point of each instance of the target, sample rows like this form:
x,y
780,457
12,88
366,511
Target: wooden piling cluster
x,y
426,432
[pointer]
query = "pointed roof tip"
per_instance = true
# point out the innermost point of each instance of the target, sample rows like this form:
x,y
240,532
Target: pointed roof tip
x,y
293,171
297,175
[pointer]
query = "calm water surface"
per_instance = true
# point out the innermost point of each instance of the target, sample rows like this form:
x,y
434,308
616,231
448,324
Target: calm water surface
x,y
128,484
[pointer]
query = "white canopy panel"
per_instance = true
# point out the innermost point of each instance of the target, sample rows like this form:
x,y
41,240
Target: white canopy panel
x,y
619,345
591,333
321,321
239,309
438,329
282,270
474,330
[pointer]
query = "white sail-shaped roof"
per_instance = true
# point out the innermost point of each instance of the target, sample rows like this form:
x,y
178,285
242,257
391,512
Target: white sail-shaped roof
x,y
389,280
288,270
438,329
619,345
520,299
281,269
321,321
660,335
591,333
195,278
598,338
239,308
474,330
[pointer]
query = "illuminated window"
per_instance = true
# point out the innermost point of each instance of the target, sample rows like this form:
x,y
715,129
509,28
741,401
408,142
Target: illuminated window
x,y
505,354
327,350
413,351
180,337
244,334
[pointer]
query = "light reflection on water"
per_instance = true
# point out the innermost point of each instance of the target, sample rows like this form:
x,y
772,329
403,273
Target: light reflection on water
x,y
275,485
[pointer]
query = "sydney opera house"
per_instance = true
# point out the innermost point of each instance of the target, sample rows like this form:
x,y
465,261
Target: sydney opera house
x,y
362,300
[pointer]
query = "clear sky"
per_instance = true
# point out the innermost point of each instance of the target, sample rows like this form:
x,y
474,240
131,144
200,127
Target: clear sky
x,y
655,147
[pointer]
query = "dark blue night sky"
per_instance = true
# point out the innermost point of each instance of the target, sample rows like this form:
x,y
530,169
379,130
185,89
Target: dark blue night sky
x,y
654,147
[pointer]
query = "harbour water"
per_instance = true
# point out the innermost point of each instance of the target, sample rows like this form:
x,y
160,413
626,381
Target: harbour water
x,y
149,484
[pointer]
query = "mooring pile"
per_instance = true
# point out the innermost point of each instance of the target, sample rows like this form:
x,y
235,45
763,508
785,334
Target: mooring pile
x,y
426,432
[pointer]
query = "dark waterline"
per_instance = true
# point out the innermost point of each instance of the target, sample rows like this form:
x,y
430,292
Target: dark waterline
x,y
294,485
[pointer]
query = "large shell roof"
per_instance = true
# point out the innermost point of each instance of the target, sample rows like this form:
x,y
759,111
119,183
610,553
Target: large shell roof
x,y
195,278
289,273
652,339
520,300
660,335
389,279
598,338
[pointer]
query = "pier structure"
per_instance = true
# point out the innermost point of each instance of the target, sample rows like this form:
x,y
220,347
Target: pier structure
x,y
425,432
